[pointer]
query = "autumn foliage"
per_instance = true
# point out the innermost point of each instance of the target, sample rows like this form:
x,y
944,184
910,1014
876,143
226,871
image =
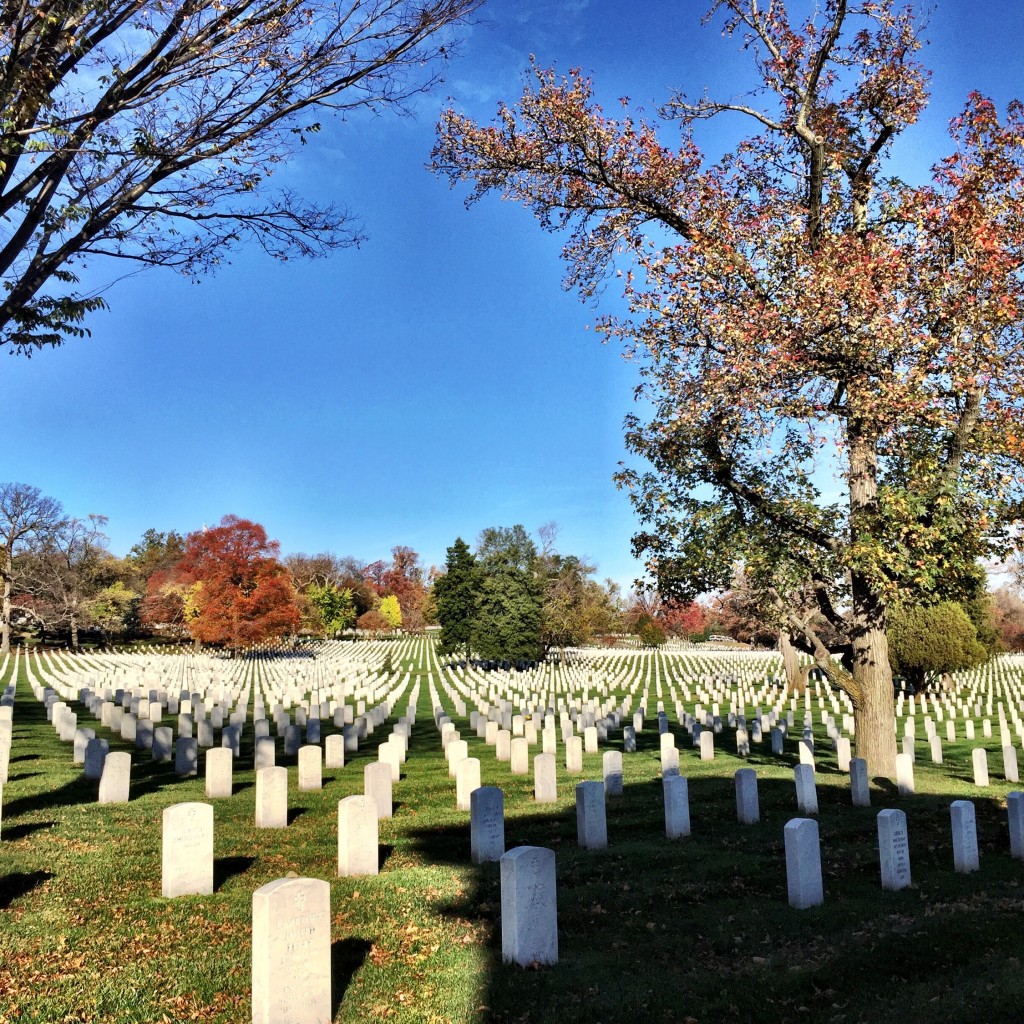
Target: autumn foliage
x,y
833,356
229,589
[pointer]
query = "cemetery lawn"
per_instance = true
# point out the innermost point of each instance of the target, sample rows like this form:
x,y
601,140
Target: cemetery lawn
x,y
651,929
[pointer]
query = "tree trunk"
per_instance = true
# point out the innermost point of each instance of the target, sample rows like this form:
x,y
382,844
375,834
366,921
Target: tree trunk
x,y
73,621
873,711
5,612
791,663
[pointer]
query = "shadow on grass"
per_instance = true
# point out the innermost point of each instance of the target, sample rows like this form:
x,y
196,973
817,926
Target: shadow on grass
x,y
152,776
294,813
347,956
649,917
20,883
79,791
21,831
225,868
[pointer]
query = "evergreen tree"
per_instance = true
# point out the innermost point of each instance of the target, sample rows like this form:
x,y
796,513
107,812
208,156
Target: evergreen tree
x,y
510,615
455,597
928,640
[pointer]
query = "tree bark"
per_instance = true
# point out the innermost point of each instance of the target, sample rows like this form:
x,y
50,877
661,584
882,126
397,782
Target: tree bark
x,y
873,712
791,663
5,613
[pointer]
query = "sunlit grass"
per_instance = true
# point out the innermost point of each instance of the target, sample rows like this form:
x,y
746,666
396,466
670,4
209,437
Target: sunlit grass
x,y
650,929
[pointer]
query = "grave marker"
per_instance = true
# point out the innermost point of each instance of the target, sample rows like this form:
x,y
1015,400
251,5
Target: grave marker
x,y
187,850
291,952
803,863
893,849
529,915
486,824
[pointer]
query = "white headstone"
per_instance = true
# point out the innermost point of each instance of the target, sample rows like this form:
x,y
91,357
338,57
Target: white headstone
x,y
291,952
859,789
747,808
806,791
358,852
529,914
1015,819
803,863
187,850
677,806
220,763
487,824
115,779
904,775
612,767
272,798
467,779
965,836
334,751
591,820
893,849
545,785
311,768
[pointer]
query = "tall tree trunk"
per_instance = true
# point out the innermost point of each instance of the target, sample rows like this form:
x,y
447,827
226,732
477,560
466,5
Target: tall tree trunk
x,y
873,711
5,618
5,611
74,631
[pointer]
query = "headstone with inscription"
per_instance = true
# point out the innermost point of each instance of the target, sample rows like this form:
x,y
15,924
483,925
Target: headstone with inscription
x,y
187,850
291,952
893,849
529,914
611,763
486,824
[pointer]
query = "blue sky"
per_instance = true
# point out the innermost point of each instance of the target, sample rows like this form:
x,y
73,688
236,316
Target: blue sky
x,y
435,381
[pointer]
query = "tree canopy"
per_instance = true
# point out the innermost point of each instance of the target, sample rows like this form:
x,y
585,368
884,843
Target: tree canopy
x,y
229,586
833,355
147,131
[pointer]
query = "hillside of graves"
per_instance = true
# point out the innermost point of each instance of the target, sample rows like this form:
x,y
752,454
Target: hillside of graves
x,y
319,834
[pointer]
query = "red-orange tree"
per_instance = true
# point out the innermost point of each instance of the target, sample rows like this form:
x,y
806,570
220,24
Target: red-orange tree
x,y
234,590
796,310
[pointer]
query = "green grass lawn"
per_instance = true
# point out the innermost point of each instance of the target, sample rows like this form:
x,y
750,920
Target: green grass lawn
x,y
694,929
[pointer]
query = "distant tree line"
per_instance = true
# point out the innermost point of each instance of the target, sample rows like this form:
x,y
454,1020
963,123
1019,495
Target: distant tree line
x,y
513,598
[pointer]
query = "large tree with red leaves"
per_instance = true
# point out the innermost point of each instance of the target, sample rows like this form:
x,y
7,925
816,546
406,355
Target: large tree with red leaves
x,y
834,356
230,586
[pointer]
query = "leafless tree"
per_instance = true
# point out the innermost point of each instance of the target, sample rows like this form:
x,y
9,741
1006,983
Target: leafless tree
x,y
26,515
